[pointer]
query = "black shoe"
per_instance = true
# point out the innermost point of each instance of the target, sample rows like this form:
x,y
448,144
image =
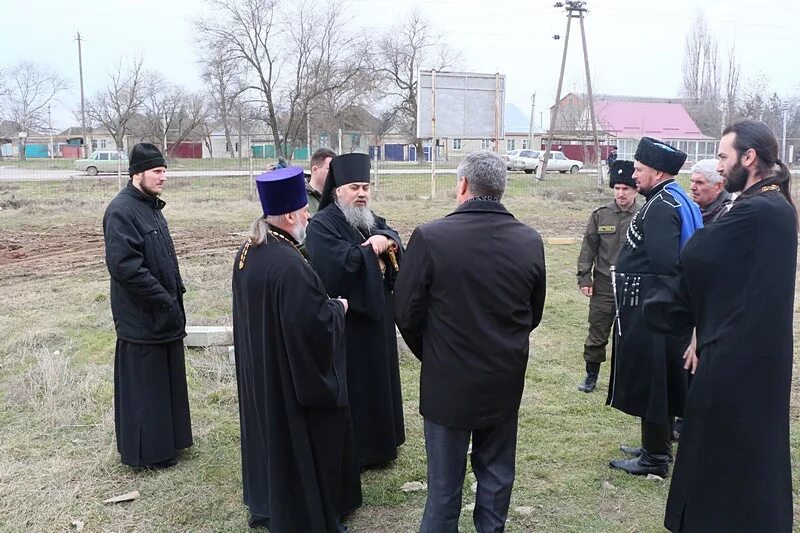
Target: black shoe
x,y
633,451
589,383
257,521
164,464
658,465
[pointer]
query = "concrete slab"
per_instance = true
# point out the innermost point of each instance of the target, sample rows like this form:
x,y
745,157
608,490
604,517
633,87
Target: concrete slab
x,y
561,240
204,336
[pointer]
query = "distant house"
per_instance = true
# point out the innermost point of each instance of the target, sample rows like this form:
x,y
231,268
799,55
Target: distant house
x,y
622,121
36,143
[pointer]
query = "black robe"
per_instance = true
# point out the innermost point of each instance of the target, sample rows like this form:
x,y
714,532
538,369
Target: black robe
x,y
732,470
352,271
299,465
647,375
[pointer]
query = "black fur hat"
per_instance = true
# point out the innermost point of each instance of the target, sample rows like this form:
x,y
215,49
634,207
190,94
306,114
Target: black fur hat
x,y
145,156
621,171
660,156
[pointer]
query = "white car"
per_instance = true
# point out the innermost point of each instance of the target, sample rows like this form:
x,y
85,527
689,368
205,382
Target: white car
x,y
558,161
103,161
527,160
508,157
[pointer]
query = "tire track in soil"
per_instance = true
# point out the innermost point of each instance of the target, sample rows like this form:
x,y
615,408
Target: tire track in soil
x,y
66,250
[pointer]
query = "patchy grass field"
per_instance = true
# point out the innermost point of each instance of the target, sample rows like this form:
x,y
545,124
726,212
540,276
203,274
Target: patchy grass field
x,y
57,452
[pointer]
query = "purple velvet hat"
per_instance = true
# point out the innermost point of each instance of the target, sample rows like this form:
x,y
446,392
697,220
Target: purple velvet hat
x,y
282,191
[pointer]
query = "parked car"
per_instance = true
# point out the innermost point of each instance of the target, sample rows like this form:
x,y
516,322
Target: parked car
x,y
558,161
103,161
508,157
526,160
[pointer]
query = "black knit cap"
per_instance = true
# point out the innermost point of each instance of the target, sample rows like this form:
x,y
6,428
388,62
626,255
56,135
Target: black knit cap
x,y
344,169
660,156
621,172
145,156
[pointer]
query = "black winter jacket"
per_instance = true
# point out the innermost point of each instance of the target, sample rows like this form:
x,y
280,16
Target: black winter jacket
x,y
146,286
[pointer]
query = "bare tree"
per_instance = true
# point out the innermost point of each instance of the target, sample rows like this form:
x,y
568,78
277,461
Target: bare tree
x,y
406,48
31,89
731,87
225,79
171,115
701,76
294,53
115,106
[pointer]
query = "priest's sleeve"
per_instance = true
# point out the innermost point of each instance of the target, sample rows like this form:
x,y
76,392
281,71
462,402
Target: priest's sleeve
x,y
313,331
347,269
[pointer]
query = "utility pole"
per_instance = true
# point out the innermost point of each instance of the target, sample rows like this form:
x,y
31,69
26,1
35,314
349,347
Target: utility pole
x,y
591,104
530,127
433,134
52,148
308,138
83,104
574,9
783,140
554,114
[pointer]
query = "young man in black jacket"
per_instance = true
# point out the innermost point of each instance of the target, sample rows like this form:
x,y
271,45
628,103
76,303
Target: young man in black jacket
x,y
151,401
467,297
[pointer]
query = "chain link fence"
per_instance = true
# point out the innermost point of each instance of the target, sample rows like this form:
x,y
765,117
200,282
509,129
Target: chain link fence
x,y
55,180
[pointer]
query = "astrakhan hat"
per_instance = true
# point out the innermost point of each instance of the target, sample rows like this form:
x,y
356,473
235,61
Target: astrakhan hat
x,y
621,172
660,156
282,191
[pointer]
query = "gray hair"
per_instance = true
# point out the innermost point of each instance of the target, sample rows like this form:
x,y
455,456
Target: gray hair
x,y
260,227
258,231
485,173
708,169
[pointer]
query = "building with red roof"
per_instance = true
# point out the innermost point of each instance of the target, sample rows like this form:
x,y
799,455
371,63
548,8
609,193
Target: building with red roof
x,y
623,120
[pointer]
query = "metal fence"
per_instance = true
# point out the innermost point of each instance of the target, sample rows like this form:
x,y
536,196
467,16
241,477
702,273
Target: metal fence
x,y
34,180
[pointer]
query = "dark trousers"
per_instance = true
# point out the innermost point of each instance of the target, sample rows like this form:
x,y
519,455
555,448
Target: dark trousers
x,y
601,318
493,453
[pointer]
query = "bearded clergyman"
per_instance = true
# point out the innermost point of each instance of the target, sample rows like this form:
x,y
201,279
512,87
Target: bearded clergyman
x,y
357,256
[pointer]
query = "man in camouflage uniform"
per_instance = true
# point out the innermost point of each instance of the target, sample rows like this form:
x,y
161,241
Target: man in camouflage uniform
x,y
604,236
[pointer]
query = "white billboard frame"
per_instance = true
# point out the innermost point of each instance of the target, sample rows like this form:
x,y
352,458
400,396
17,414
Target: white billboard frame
x,y
460,105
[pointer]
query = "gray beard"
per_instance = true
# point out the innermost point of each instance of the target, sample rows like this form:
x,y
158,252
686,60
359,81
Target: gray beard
x,y
358,217
299,233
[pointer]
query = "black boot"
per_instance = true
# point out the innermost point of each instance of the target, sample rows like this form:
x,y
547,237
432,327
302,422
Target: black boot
x,y
590,382
653,457
633,451
645,464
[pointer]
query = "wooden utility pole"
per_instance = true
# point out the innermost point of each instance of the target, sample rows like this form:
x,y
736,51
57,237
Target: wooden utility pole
x,y
554,114
433,134
530,126
83,105
574,9
600,180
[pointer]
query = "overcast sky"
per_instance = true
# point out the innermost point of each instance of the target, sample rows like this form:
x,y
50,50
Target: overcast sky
x,y
635,46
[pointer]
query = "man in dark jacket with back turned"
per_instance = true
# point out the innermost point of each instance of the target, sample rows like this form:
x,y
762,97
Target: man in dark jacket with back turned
x,y
467,297
151,402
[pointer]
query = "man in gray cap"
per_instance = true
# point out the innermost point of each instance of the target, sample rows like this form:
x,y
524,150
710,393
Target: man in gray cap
x,y
151,401
647,377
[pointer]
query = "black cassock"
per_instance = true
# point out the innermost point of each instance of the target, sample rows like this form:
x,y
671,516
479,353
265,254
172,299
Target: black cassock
x,y
352,271
732,471
299,464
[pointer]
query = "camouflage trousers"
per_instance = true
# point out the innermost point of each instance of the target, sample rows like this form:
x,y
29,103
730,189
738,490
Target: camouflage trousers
x,y
601,319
